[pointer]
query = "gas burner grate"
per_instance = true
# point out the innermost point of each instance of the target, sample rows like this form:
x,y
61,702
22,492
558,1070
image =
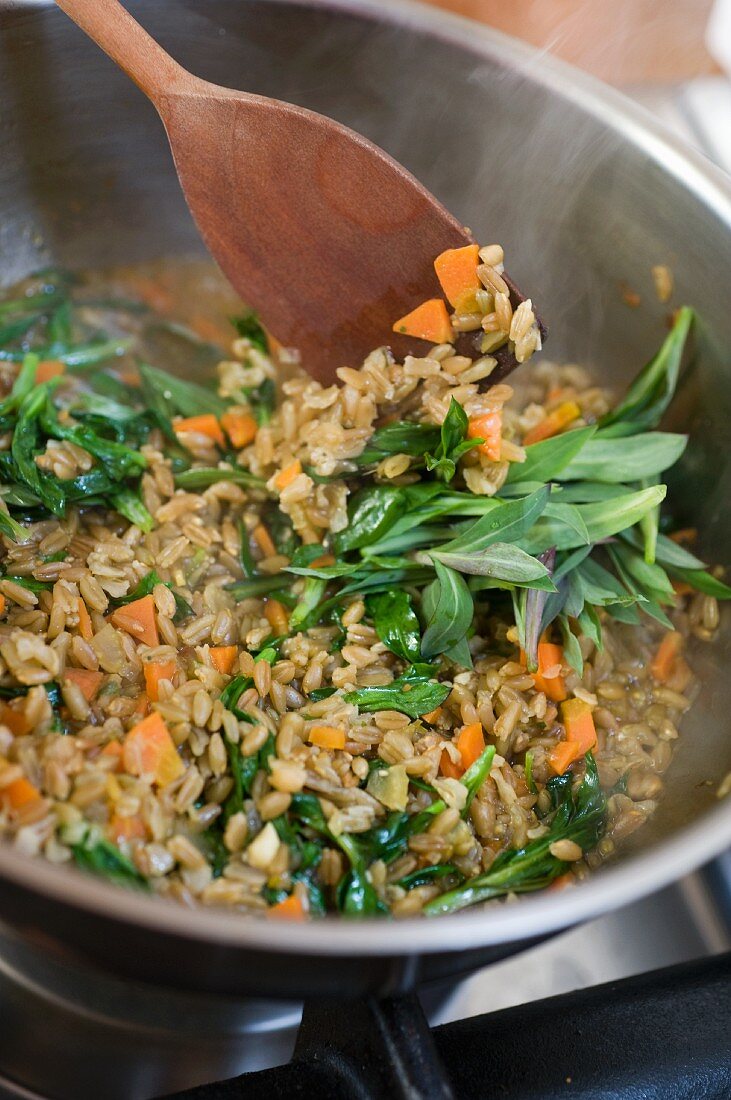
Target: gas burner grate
x,y
664,1035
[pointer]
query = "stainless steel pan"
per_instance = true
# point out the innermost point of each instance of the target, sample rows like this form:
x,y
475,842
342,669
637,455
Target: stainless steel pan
x,y
582,188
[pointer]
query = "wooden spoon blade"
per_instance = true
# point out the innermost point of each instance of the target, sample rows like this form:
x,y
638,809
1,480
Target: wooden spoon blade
x,y
322,233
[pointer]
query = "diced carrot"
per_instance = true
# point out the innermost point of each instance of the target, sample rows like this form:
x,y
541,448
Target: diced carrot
x,y
126,828
206,424
223,657
286,476
20,793
429,321
277,616
138,619
142,705
470,742
48,369
457,272
290,908
14,719
154,295
150,751
274,346
561,882
549,655
3,604
489,428
563,756
264,541
447,766
554,423
86,630
433,715
663,663
682,588
327,737
130,376
86,679
685,536
579,724
155,671
212,331
239,426
113,749
322,561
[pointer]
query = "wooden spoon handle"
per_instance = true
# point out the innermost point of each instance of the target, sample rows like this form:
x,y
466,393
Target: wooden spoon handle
x,y
129,45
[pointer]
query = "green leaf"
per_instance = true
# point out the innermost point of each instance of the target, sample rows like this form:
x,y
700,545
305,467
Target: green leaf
x,y
547,459
506,522
128,504
501,561
601,520
178,397
22,385
201,477
652,391
600,587
626,459
99,856
571,647
90,355
311,596
650,578
428,874
371,512
404,437
476,775
11,528
667,552
24,447
452,443
415,695
702,581
396,623
247,325
561,525
259,586
451,611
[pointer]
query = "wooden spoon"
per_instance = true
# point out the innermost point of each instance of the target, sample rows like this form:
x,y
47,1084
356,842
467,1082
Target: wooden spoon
x,y
323,234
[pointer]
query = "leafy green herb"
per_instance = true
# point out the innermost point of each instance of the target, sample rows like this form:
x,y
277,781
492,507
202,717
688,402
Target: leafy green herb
x,y
529,780
404,437
504,522
426,875
449,609
128,504
174,396
625,459
410,694
547,459
371,512
247,325
652,391
501,561
100,857
578,816
396,623
200,477
452,444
